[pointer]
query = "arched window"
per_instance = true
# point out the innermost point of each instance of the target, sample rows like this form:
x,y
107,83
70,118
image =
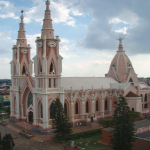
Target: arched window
x,y
97,105
106,104
51,111
40,68
76,108
141,97
65,108
87,107
145,97
41,110
23,70
30,99
52,69
131,81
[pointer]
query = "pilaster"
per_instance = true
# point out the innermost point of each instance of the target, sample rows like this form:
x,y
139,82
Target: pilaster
x,y
34,110
45,112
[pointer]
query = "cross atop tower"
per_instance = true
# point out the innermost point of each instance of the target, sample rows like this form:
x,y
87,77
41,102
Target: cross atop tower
x,y
120,40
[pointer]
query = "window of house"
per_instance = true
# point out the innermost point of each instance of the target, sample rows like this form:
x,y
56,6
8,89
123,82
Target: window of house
x,y
65,108
49,82
132,109
54,82
145,97
23,70
87,107
97,105
52,70
145,105
51,111
41,110
30,99
76,108
106,104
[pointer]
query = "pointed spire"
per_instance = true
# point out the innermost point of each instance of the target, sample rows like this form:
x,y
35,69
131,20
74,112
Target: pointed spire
x,y
47,23
120,48
22,33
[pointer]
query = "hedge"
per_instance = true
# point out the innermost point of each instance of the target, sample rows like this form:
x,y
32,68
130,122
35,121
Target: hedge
x,y
81,135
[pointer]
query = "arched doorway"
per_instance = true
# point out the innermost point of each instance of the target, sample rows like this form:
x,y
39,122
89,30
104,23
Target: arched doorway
x,y
30,116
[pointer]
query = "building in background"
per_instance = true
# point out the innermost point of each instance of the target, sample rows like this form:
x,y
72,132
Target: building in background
x,y
85,99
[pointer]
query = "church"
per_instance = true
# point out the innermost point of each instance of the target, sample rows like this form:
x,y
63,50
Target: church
x,y
85,99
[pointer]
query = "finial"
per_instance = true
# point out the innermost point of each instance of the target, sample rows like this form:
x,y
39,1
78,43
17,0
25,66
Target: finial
x,y
47,2
22,12
120,40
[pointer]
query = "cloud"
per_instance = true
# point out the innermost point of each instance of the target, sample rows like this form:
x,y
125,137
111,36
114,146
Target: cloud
x,y
64,47
5,63
7,10
31,40
60,13
7,42
123,30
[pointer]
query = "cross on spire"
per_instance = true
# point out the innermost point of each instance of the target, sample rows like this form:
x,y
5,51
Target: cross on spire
x,y
120,40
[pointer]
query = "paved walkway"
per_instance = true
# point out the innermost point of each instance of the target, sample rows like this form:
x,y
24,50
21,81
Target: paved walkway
x,y
22,124
13,128
22,143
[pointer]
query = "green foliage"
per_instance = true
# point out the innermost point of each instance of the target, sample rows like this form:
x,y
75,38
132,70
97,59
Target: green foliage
x,y
7,142
82,134
8,110
60,120
123,127
135,115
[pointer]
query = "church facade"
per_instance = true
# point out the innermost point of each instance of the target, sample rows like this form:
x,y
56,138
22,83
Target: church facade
x,y
85,99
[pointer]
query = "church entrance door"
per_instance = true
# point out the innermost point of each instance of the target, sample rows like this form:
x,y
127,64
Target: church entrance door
x,y
30,116
91,119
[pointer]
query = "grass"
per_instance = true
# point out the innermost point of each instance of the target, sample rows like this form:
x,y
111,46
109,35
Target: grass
x,y
91,144
5,116
2,109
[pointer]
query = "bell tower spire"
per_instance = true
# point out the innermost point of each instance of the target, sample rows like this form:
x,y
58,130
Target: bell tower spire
x,y
47,23
22,33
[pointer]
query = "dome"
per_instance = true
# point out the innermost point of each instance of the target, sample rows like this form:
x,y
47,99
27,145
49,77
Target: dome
x,y
120,66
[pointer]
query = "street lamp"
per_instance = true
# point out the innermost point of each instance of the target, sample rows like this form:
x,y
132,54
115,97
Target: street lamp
x,y
25,126
40,141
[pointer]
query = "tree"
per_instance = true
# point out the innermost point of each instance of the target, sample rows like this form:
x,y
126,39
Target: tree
x,y
1,142
7,142
60,120
123,133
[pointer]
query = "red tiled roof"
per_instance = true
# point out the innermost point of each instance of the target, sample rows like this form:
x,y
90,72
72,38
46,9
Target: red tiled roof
x,y
131,94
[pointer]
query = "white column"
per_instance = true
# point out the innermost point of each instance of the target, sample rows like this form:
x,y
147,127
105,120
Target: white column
x,y
45,111
129,105
17,102
22,110
72,112
34,109
110,106
11,104
136,106
82,109
93,108
102,108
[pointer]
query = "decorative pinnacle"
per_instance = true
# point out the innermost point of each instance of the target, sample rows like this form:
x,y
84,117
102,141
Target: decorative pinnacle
x,y
22,12
47,2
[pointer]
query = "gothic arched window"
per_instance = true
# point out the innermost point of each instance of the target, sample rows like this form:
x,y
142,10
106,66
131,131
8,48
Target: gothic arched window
x,y
87,107
131,81
23,70
76,107
97,105
30,99
65,108
51,111
40,68
145,97
41,110
106,104
52,69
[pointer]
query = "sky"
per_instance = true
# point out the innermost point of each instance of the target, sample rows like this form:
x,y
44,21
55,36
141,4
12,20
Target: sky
x,y
88,30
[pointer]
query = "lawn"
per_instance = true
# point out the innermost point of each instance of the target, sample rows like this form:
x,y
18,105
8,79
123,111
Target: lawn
x,y
91,144
5,116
